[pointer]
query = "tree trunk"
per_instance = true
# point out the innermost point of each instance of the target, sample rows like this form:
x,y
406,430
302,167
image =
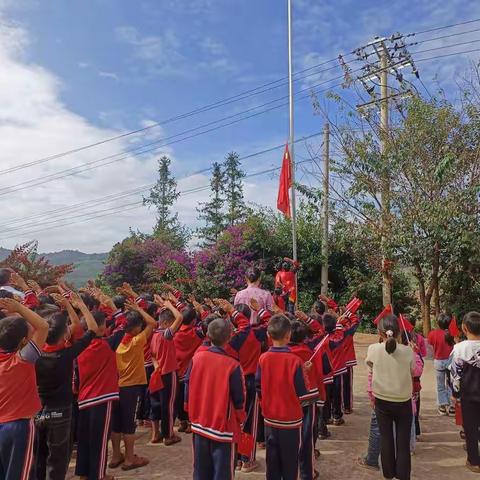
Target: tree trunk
x,y
436,300
424,301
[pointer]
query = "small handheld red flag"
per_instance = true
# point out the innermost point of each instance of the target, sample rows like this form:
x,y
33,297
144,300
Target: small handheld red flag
x,y
405,325
453,327
386,311
283,198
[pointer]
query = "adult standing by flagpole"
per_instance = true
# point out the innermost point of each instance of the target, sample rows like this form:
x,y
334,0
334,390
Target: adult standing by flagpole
x,y
292,132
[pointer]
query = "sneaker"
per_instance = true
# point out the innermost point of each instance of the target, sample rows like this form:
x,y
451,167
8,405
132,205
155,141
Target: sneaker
x,y
473,468
325,436
339,421
238,467
329,421
451,410
348,411
442,410
362,461
261,445
249,466
462,434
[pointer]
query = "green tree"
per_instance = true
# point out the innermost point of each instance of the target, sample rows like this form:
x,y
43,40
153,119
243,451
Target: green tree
x,y
212,212
236,208
163,196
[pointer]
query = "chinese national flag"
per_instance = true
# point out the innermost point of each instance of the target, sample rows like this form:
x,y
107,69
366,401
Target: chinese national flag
x,y
453,328
283,199
405,325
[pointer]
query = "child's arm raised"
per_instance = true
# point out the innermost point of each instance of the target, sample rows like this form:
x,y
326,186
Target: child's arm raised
x,y
178,316
150,321
39,325
77,302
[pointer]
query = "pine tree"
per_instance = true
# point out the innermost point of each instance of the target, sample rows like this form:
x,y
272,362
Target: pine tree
x,y
162,196
236,208
212,212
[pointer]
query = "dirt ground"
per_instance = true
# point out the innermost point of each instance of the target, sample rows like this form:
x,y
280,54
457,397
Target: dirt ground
x,y
439,453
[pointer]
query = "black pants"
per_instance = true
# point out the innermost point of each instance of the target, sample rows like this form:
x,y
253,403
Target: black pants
x,y
333,402
251,410
306,453
93,433
347,389
395,451
143,408
282,453
471,425
162,404
52,445
212,460
418,430
180,402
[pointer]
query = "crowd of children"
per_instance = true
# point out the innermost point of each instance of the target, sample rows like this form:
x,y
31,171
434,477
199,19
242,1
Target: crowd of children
x,y
80,370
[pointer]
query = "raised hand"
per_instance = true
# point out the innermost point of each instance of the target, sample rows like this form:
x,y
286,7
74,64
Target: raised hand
x,y
254,305
159,300
225,305
301,315
34,286
132,306
18,280
11,305
60,300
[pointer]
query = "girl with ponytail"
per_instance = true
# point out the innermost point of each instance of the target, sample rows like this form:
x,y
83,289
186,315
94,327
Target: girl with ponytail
x,y
392,366
442,343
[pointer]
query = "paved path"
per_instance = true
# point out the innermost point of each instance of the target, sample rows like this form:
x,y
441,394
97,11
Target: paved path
x,y
439,454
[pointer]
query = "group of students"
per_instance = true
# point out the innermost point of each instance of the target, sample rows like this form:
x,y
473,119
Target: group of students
x,y
85,368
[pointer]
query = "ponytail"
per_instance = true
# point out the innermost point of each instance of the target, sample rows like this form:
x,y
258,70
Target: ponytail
x,y
443,322
389,327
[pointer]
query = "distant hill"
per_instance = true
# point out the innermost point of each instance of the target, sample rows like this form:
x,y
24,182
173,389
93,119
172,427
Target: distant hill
x,y
87,265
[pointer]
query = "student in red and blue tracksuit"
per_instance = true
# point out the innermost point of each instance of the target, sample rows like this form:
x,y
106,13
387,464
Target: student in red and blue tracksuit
x,y
299,348
282,389
187,340
215,402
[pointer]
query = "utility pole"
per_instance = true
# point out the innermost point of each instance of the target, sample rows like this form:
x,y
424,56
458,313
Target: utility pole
x,y
390,55
385,193
326,185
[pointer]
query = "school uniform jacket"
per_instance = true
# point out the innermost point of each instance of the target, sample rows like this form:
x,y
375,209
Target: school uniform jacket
x,y
281,387
304,353
247,343
187,339
215,395
97,371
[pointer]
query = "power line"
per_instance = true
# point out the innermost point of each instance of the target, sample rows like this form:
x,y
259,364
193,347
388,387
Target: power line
x,y
122,208
112,197
97,163
217,104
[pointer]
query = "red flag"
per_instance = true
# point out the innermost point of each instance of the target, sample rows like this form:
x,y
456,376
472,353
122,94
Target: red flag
x,y
386,311
405,324
283,199
352,306
453,327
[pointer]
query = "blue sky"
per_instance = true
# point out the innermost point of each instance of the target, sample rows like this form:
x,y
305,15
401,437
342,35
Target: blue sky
x,y
80,71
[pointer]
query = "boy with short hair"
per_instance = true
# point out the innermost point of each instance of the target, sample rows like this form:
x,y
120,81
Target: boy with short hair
x,y
282,388
215,401
97,370
19,400
165,362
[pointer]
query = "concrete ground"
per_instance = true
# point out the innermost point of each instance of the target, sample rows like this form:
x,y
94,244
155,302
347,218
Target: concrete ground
x,y
439,454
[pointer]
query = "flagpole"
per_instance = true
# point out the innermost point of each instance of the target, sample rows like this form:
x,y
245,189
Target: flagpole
x,y
292,134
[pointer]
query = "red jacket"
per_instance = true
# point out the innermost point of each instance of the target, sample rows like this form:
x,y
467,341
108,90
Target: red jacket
x,y
163,350
215,395
97,370
302,351
247,343
280,384
186,340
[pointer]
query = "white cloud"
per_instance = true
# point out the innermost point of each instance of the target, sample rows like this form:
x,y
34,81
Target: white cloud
x,y
110,75
35,123
213,47
83,65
